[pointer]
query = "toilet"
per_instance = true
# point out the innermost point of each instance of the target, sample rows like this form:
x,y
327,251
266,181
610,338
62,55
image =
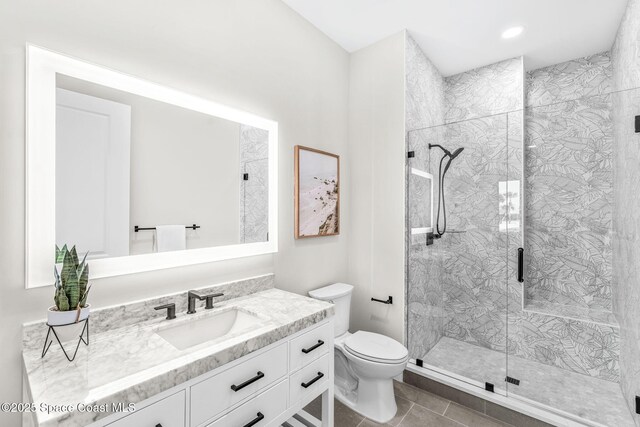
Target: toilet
x,y
365,362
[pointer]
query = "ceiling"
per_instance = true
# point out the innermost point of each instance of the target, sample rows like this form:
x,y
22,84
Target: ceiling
x,y
459,35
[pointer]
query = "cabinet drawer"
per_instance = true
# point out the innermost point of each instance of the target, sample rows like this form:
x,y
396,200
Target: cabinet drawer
x,y
213,395
309,346
261,409
168,412
310,379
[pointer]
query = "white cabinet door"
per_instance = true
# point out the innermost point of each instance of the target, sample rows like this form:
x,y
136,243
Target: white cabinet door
x,y
168,412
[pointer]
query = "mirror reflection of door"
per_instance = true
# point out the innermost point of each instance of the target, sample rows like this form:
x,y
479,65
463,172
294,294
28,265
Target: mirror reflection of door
x,y
92,174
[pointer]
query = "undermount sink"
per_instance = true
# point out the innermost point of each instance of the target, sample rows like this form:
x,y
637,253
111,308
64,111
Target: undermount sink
x,y
198,331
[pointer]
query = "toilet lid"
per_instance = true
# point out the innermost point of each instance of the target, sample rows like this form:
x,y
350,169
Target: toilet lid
x,y
375,347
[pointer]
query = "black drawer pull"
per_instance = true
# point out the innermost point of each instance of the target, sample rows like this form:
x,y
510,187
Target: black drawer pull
x,y
310,349
256,420
247,382
158,425
306,385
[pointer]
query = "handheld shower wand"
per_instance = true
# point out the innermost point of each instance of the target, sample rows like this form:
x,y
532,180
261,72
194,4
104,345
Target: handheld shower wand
x,y
441,175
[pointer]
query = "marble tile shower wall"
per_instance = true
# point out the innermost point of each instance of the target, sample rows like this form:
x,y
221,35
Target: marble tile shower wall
x,y
424,98
626,214
474,261
569,173
568,213
494,89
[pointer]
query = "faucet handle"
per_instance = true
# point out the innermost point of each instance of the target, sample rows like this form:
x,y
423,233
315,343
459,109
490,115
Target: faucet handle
x,y
171,310
209,298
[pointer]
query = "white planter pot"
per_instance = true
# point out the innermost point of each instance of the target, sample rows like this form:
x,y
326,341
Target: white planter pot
x,y
72,330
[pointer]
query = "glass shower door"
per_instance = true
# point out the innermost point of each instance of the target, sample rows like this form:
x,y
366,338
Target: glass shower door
x,y
564,341
456,281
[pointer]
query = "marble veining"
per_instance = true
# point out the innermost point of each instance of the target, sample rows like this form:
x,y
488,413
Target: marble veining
x,y
133,363
586,348
569,202
493,89
424,89
570,80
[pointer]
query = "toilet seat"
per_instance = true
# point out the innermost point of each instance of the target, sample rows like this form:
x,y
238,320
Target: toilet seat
x,y
376,348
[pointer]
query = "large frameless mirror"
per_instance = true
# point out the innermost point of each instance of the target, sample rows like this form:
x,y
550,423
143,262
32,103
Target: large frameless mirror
x,y
141,176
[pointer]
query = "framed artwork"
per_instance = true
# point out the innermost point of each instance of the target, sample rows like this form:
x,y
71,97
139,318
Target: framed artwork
x,y
317,193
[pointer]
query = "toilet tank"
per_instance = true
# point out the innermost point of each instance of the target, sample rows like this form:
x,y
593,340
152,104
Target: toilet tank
x,y
340,295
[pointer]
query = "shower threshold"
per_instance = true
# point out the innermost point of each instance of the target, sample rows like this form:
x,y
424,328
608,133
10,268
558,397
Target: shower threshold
x,y
545,392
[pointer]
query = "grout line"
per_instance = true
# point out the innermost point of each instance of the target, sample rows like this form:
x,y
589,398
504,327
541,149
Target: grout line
x,y
445,409
442,415
482,414
455,421
405,415
465,407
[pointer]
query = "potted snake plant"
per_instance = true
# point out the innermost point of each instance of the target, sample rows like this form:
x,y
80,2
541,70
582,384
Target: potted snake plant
x,y
71,290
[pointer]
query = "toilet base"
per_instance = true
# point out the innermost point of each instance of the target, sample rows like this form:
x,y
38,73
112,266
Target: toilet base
x,y
375,399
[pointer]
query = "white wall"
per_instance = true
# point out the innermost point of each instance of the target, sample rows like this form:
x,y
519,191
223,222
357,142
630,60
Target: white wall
x,y
256,55
377,154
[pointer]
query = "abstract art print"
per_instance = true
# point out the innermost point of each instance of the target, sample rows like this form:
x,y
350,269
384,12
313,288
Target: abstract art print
x,y
317,193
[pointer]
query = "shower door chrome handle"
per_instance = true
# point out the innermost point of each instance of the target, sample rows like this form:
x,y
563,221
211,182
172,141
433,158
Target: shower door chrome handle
x,y
520,265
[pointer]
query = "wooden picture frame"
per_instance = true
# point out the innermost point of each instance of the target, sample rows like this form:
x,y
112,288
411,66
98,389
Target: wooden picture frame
x,y
316,193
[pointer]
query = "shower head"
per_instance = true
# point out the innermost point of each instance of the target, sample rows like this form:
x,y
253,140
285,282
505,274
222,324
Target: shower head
x,y
447,152
451,157
456,153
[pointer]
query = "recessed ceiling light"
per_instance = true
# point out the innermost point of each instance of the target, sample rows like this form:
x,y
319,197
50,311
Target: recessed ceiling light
x,y
512,32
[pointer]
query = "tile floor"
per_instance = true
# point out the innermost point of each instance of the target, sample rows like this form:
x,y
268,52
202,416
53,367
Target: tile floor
x,y
416,408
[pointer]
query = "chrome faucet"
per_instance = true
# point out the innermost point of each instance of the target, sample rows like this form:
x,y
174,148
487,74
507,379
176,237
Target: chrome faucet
x,y
193,295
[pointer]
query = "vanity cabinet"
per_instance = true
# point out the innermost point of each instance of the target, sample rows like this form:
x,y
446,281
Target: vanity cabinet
x,y
264,388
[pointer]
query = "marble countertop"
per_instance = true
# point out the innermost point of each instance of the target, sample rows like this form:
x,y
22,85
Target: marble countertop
x,y
133,363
